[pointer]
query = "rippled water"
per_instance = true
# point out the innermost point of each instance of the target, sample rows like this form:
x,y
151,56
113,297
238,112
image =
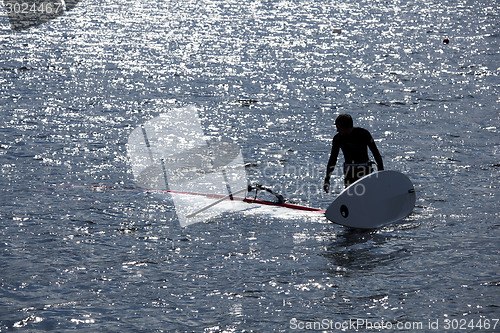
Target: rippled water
x,y
271,76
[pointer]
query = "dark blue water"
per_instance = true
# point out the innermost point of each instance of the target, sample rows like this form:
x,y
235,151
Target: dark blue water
x,y
270,76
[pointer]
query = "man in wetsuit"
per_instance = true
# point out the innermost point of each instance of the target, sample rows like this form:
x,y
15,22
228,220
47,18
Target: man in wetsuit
x,y
354,142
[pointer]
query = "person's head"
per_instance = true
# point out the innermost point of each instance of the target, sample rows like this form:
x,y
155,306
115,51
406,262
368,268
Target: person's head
x,y
344,124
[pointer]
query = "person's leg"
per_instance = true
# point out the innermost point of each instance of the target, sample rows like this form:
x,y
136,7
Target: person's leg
x,y
349,175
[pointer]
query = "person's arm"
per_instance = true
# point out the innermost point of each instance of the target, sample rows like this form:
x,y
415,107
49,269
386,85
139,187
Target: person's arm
x,y
376,155
332,161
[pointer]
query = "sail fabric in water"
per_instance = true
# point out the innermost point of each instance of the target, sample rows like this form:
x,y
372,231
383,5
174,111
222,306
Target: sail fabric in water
x,y
170,152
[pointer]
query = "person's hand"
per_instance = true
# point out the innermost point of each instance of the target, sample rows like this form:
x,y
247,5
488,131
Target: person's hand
x,y
326,186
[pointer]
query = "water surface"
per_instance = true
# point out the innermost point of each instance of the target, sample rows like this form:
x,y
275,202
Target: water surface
x,y
270,76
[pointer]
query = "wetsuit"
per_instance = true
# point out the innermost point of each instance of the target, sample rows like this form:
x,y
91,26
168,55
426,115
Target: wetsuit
x,y
354,147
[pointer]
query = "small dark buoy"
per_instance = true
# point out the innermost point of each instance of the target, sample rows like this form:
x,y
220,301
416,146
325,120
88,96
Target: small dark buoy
x,y
446,41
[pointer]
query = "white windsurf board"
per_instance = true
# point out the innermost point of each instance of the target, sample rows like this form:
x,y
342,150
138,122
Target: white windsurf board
x,y
378,199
